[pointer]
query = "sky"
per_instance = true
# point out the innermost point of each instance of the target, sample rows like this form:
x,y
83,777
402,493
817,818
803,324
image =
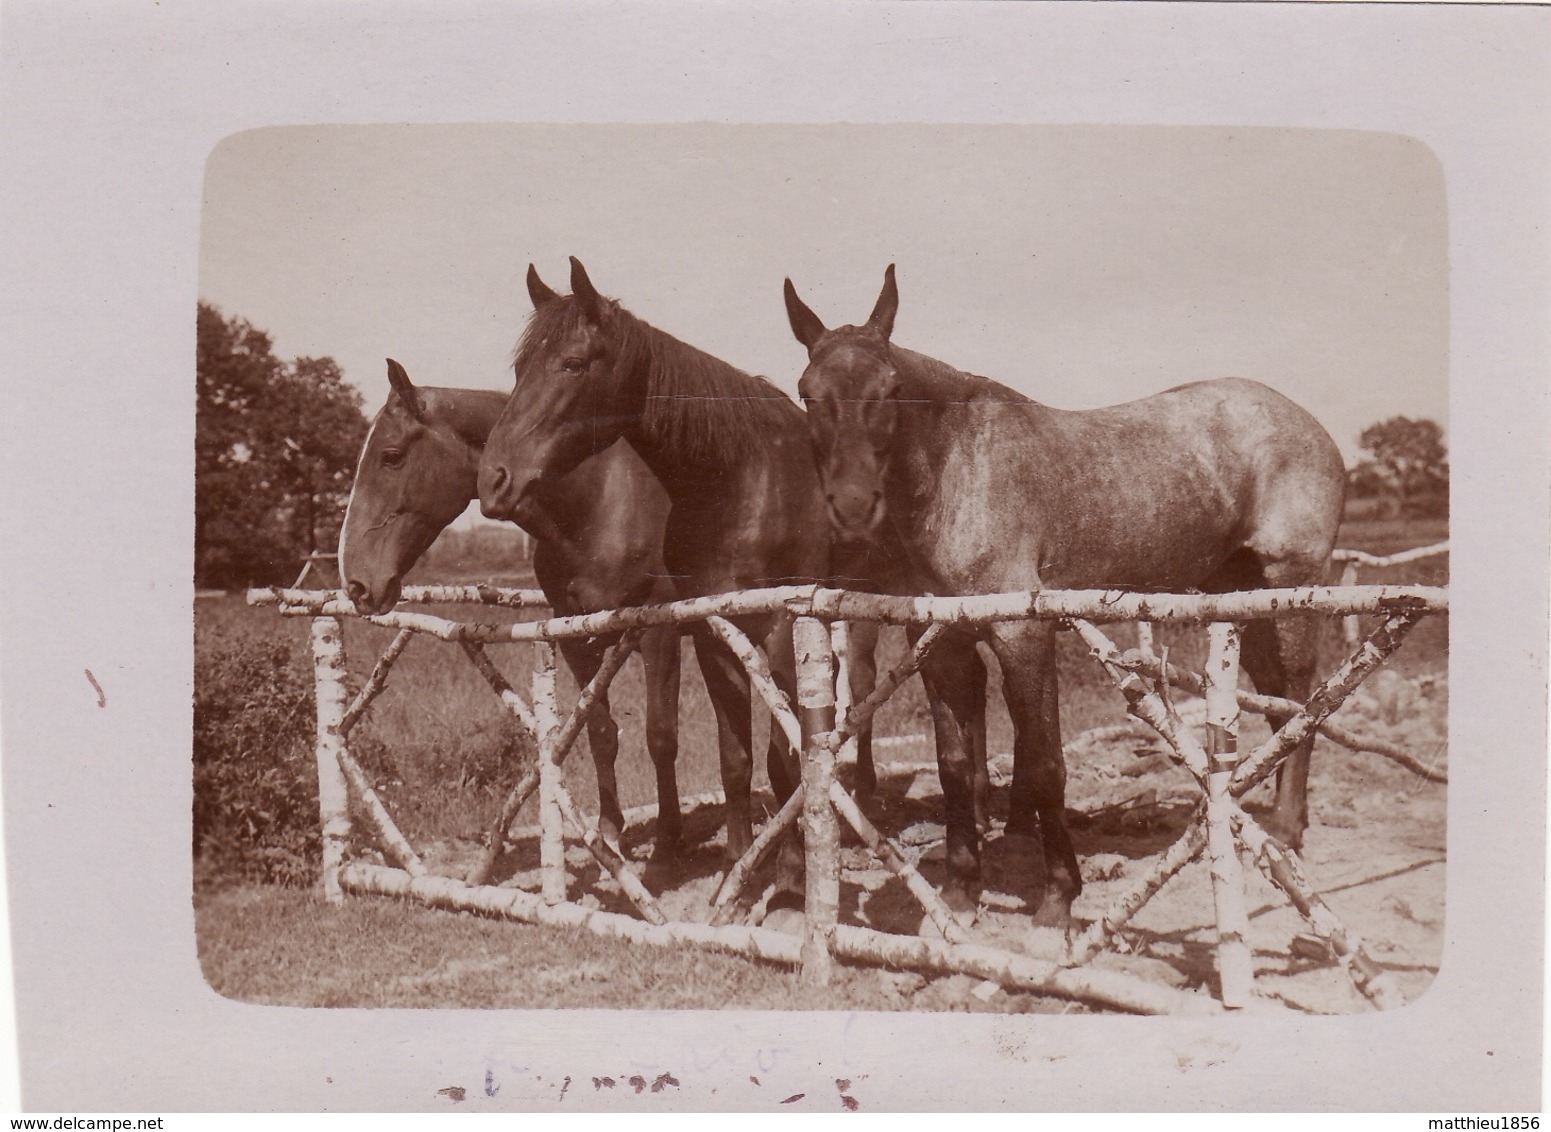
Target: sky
x,y
1081,265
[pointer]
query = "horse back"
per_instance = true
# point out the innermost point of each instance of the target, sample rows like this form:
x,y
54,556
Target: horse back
x,y
1152,494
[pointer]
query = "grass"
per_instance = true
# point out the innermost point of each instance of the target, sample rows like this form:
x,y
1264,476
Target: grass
x,y
378,953
440,746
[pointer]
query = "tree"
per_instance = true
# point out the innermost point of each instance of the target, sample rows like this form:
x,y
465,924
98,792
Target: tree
x,y
1406,460
275,450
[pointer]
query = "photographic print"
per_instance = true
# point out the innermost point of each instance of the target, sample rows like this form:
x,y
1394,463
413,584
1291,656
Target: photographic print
x,y
888,557
1179,325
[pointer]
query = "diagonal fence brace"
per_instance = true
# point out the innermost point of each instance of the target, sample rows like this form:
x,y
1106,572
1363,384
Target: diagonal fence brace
x,y
610,860
1278,705
1284,869
376,681
760,678
500,685
528,782
1187,848
1327,698
860,715
393,841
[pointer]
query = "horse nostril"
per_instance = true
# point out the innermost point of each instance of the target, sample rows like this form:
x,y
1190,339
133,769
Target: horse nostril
x,y
356,590
501,478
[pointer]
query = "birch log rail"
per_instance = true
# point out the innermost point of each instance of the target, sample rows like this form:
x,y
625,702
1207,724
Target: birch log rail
x,y
1351,559
1218,825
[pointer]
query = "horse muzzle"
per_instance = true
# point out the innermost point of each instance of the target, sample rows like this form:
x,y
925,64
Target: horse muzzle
x,y
854,515
499,495
369,603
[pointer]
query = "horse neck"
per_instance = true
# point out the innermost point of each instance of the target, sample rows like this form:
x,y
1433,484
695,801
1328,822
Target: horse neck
x,y
939,416
929,380
704,424
470,413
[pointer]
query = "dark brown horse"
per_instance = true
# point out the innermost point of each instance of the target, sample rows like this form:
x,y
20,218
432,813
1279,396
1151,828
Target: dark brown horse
x,y
1219,485
419,470
731,450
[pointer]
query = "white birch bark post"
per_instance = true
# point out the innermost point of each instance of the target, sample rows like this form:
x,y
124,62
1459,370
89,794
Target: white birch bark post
x,y
1144,639
1350,623
1234,968
328,666
551,822
821,832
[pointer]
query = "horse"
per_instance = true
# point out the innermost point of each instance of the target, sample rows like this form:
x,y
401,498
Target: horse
x,y
732,452
418,471
1216,485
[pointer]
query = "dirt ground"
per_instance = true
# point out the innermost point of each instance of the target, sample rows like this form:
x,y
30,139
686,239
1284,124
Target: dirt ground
x,y
1375,851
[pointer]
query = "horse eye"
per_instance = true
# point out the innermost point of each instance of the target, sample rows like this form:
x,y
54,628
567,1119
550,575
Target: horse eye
x,y
392,458
574,364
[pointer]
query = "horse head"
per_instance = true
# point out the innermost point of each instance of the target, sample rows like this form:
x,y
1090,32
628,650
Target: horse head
x,y
850,389
416,474
574,395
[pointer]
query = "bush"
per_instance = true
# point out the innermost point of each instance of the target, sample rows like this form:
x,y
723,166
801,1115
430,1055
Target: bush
x,y
255,789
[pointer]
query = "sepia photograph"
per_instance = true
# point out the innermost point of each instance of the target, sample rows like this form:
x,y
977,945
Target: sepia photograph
x,y
1179,324
871,558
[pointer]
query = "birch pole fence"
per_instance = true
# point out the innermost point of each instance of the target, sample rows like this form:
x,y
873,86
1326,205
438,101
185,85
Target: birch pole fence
x,y
820,804
1350,560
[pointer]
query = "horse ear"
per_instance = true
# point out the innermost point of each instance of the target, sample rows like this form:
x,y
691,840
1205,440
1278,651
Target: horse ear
x,y
882,317
539,291
581,286
806,325
406,390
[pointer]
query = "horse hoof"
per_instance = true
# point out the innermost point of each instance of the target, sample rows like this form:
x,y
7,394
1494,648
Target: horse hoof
x,y
962,901
1055,911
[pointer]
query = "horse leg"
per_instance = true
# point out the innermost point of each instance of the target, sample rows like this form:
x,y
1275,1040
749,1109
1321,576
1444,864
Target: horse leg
x,y
1026,651
728,687
784,764
862,669
977,738
1279,657
949,673
584,658
660,656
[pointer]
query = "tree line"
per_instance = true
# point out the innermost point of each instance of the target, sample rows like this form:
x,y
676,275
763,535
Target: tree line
x,y
1406,466
275,449
276,444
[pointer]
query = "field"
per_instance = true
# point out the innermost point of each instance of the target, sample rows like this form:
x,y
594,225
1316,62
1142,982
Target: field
x,y
440,747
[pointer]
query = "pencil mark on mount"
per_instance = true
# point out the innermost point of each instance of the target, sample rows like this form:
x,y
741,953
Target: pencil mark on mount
x,y
102,697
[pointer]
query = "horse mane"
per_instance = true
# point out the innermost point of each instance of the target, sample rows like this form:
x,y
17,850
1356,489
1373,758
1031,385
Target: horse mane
x,y
701,408
941,376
